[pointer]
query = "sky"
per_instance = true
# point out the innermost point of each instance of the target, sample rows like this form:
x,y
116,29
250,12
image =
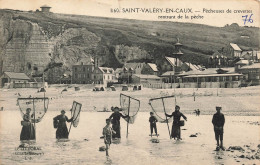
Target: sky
x,y
196,11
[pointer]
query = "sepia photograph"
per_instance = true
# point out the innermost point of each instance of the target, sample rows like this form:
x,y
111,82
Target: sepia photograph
x,y
129,82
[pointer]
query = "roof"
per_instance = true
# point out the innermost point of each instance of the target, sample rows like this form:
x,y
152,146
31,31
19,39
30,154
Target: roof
x,y
215,75
253,66
247,52
178,43
147,76
45,6
179,52
106,69
235,47
217,54
245,62
13,75
208,71
153,66
172,60
193,66
133,65
118,70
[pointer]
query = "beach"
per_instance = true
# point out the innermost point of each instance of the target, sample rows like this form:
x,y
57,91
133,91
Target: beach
x,y
241,130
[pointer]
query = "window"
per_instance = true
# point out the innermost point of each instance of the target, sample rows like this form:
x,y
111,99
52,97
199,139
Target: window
x,y
104,77
227,78
84,69
108,77
88,75
29,66
76,75
76,69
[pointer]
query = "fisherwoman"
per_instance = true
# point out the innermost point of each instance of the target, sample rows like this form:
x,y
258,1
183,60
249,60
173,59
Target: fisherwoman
x,y
116,115
28,131
62,130
176,131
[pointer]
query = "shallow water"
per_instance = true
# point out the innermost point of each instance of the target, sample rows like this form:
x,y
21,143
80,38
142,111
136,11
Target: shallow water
x,y
136,149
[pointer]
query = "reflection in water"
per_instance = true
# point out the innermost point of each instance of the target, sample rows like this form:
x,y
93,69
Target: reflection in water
x,y
219,157
108,161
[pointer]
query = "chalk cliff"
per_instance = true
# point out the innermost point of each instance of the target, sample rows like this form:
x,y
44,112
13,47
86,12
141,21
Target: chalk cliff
x,y
29,41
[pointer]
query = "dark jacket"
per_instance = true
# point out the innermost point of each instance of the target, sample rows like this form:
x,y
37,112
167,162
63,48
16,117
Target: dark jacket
x,y
153,120
116,118
176,117
218,120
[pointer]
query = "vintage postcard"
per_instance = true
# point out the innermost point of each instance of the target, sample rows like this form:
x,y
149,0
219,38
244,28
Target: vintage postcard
x,y
129,82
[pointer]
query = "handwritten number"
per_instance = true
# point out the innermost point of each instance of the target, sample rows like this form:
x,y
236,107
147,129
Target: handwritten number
x,y
250,20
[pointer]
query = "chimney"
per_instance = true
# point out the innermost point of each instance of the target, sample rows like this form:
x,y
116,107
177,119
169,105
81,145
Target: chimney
x,y
96,64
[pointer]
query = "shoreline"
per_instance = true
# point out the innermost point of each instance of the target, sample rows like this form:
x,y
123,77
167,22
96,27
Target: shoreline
x,y
234,101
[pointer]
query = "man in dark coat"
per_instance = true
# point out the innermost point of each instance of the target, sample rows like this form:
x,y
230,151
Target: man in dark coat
x,y
218,122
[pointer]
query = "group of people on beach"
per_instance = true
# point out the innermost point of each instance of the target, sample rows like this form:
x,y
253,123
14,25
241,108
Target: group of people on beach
x,y
109,133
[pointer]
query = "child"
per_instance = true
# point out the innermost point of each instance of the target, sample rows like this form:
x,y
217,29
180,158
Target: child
x,y
153,121
107,133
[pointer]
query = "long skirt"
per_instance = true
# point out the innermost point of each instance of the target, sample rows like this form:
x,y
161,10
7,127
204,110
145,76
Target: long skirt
x,y
176,131
28,133
116,128
62,133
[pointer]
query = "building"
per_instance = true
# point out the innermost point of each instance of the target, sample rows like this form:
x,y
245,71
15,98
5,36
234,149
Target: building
x,y
217,60
240,64
145,79
150,68
125,76
234,50
171,64
12,77
118,72
135,67
210,78
103,75
251,73
82,74
45,8
92,74
189,66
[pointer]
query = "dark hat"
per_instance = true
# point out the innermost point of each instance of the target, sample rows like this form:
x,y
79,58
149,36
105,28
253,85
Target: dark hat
x,y
62,111
151,113
218,108
177,106
116,108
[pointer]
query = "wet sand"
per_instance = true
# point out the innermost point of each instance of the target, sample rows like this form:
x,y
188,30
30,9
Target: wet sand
x,y
241,107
